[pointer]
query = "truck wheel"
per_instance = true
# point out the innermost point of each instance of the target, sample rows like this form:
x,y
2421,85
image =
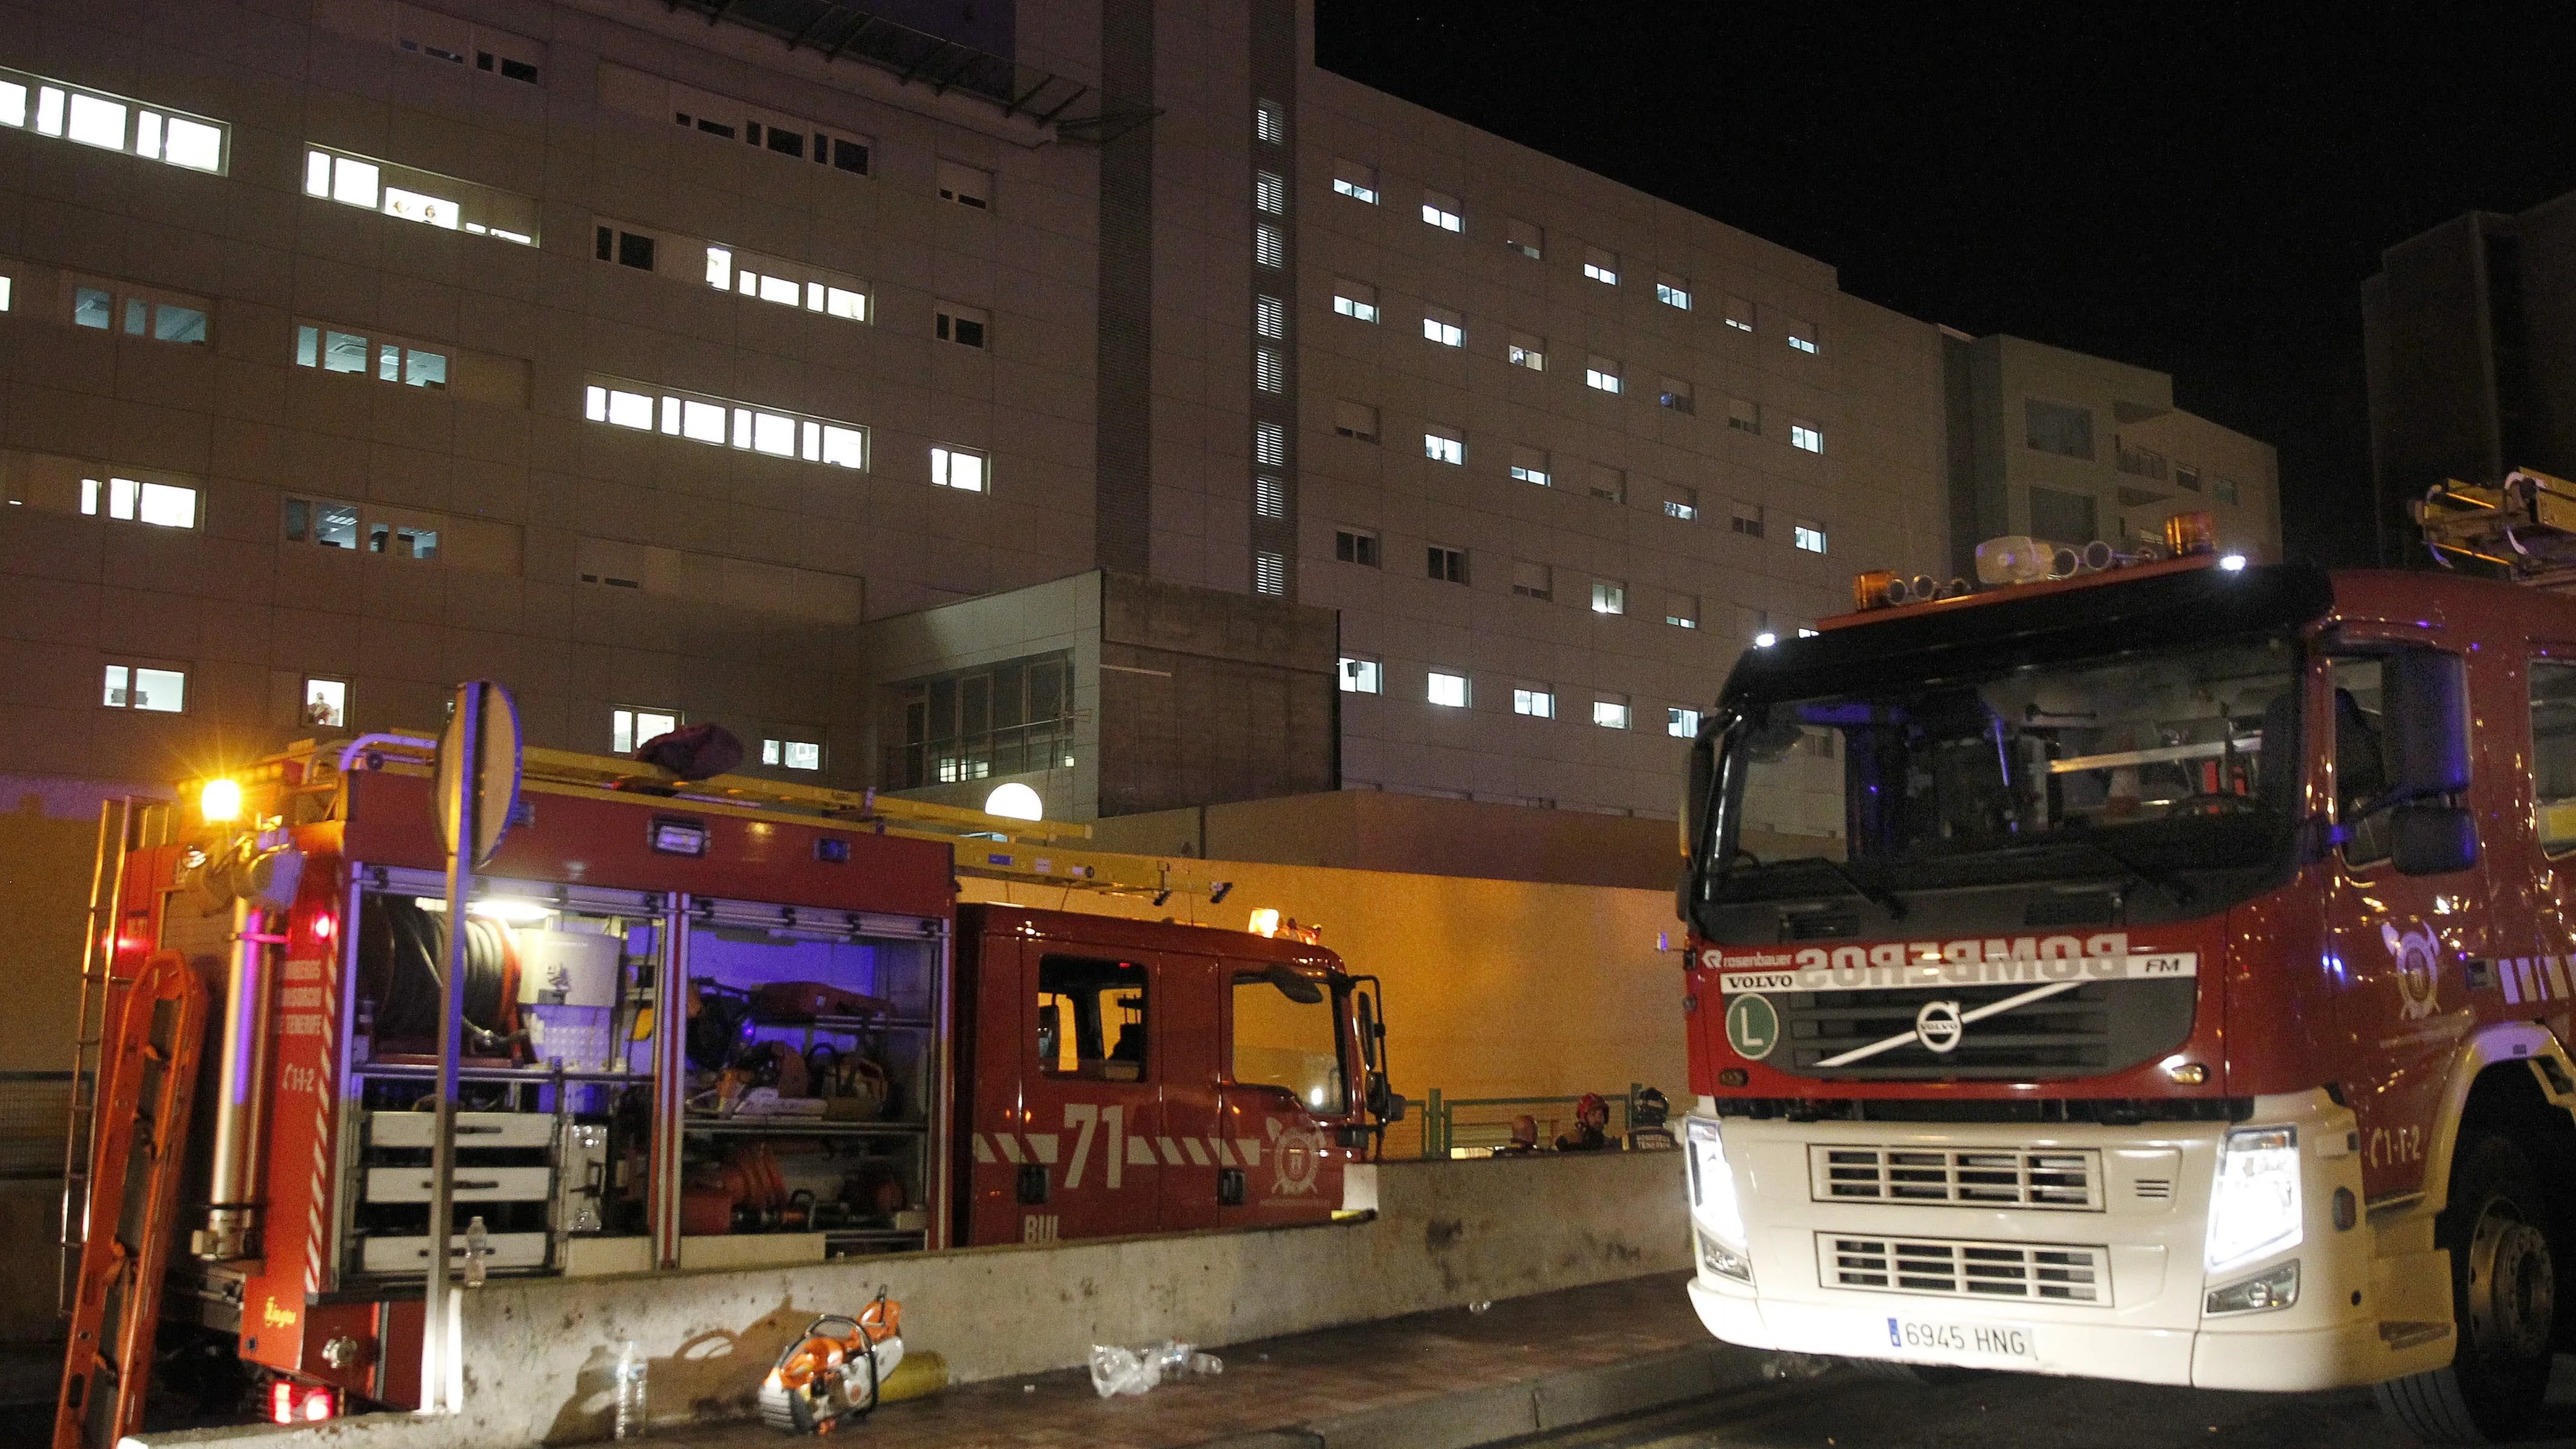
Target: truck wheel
x,y
2504,1304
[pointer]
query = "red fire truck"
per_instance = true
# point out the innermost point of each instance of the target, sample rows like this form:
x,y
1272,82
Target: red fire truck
x,y
714,1024
2161,974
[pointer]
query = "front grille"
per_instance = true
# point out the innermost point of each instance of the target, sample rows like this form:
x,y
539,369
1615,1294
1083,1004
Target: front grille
x,y
2154,1189
2030,1272
2101,1026
2064,1179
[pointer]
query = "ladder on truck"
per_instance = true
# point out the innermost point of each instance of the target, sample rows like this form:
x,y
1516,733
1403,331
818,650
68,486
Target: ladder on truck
x,y
2525,525
119,821
147,1086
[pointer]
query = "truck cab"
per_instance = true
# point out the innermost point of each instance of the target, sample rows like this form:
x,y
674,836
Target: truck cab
x,y
2161,974
1140,1076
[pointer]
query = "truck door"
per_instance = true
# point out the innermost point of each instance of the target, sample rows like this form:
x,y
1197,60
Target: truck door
x,y
1093,1093
1192,1022
2400,944
1287,1076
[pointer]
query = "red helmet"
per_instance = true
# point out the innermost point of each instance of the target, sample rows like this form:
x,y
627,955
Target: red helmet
x,y
1591,1103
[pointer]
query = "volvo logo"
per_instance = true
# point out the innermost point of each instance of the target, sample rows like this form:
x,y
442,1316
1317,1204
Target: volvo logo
x,y
1937,1026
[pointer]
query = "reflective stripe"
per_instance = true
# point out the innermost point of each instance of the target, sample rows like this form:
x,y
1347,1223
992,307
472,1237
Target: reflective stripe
x,y
1249,1149
1010,1146
1198,1154
983,1149
1171,1152
1043,1144
1140,1153
1217,1145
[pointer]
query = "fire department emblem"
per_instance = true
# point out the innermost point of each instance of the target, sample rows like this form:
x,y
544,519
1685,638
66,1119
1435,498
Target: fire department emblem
x,y
1299,1155
2416,955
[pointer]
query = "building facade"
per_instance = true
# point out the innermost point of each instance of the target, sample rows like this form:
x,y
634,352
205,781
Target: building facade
x,y
2465,333
814,370
2071,448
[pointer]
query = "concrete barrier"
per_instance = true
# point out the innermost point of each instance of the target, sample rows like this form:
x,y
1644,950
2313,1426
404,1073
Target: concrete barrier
x,y
540,1351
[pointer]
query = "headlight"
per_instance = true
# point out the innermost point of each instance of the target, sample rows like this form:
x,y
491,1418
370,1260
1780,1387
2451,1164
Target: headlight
x,y
2254,1206
1712,1183
2272,1288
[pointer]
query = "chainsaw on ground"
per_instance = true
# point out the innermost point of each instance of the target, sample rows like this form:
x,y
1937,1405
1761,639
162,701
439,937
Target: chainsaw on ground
x,y
831,1373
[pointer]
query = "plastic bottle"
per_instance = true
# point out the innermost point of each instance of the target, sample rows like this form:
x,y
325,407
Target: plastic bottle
x,y
631,1369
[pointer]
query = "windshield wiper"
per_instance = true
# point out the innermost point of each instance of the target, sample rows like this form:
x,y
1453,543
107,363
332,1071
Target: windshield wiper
x,y
1886,900
2164,880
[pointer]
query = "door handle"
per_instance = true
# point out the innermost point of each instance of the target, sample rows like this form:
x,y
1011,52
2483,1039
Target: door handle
x,y
1033,1183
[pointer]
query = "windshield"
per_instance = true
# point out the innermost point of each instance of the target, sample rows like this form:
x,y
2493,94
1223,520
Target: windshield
x,y
2141,764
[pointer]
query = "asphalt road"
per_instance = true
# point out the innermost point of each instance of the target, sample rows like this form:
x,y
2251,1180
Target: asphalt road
x,y
2009,1411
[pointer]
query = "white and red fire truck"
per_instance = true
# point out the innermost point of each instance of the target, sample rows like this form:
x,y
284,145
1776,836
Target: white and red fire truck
x,y
724,1023
2162,973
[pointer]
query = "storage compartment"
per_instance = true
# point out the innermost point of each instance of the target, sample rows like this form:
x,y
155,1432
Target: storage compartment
x,y
411,1255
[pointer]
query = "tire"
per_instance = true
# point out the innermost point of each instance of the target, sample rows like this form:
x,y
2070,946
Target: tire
x,y
2503,1304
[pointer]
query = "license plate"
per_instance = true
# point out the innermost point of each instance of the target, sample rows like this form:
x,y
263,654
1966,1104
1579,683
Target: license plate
x,y
1985,1342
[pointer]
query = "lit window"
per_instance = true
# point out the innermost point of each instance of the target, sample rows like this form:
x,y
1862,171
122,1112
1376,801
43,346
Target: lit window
x,y
411,194
130,500
1443,326
1270,318
968,186
1269,573
1536,702
1444,564
1444,448
1269,246
1744,416
1529,465
161,316
1355,299
965,326
1355,546
1682,723
381,358
1270,193
1528,351
1801,336
1524,237
1808,537
1447,690
1805,436
111,122
1739,314
1270,369
1601,374
323,523
1269,124
721,422
1355,420
1611,714
630,729
1806,633
1355,181
140,686
6,286
1362,676
1533,581
958,468
1270,444
793,284
1269,496
1674,393
1440,210
1681,610
326,703
1672,291
1608,597
1601,266
1680,502
791,754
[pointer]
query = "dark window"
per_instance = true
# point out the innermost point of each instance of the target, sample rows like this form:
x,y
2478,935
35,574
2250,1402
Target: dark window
x,y
1091,1019
2361,760
518,70
1449,565
850,155
1351,546
787,143
2058,428
635,251
2061,517
964,331
1002,719
719,128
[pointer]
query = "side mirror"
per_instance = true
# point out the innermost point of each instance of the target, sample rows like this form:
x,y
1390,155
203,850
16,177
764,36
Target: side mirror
x,y
1368,1033
2434,839
2427,718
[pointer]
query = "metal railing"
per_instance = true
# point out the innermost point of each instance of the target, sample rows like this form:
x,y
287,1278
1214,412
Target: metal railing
x,y
33,1108
1472,1126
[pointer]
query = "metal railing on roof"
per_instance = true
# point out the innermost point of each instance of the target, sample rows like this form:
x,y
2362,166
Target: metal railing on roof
x,y
836,31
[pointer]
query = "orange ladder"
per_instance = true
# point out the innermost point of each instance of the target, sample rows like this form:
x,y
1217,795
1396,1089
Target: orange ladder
x,y
148,1075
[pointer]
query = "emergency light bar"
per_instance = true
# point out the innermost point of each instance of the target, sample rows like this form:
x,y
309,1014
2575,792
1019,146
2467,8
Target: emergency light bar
x,y
2017,560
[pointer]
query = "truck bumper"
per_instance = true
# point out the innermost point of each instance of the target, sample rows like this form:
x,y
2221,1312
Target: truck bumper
x,y
2371,1303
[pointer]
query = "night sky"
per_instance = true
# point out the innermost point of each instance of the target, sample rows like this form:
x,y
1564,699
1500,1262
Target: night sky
x,y
2197,189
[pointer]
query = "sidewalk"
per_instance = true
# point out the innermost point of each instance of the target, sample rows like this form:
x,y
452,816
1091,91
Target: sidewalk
x,y
1430,1381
